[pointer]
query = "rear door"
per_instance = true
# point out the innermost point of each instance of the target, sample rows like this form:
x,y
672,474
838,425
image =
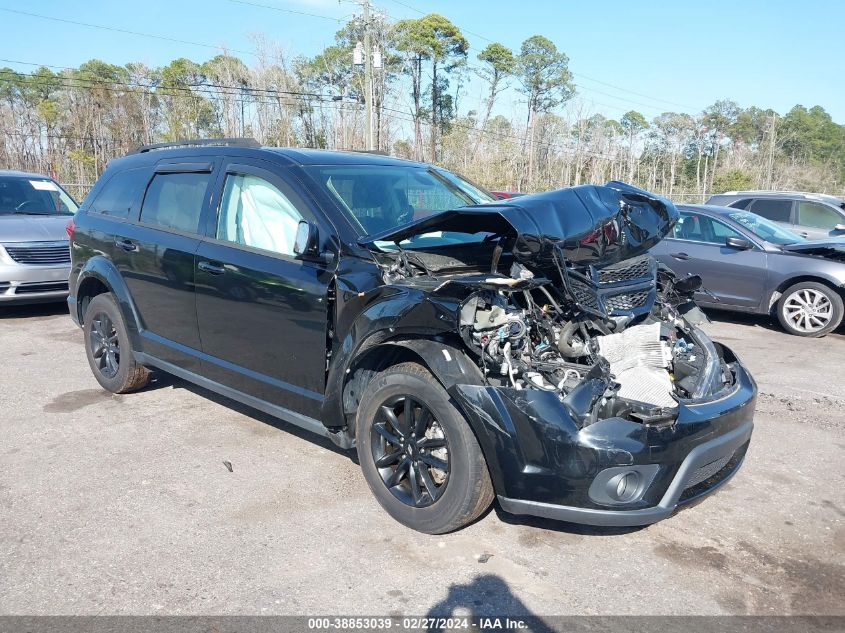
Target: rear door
x,y
156,258
774,209
697,247
262,312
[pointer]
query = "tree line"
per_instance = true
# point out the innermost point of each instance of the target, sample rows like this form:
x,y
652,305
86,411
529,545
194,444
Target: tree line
x,y
528,131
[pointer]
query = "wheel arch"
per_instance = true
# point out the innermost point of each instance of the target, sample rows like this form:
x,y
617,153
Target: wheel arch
x,y
98,276
775,295
446,361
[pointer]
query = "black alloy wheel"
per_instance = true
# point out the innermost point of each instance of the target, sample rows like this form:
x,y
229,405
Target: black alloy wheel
x,y
418,452
108,348
411,451
104,345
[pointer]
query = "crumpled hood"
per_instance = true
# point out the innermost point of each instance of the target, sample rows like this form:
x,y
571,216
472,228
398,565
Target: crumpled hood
x,y
33,228
590,224
830,249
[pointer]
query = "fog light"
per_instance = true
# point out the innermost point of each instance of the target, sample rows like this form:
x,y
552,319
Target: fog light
x,y
627,485
620,485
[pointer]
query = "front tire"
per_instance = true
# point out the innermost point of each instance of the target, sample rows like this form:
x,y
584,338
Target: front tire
x,y
810,309
418,454
108,349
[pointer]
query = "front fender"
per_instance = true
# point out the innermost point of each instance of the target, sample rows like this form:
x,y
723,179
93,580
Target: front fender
x,y
388,313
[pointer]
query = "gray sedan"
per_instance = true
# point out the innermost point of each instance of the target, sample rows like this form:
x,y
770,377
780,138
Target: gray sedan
x,y
749,264
34,247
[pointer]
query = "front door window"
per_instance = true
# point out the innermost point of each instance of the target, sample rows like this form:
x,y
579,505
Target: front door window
x,y
255,213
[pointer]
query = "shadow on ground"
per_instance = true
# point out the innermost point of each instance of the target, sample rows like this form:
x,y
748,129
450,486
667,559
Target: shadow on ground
x,y
486,596
34,310
756,320
162,380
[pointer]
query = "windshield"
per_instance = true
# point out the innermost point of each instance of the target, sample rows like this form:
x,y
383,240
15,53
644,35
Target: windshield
x,y
382,197
763,228
33,196
474,190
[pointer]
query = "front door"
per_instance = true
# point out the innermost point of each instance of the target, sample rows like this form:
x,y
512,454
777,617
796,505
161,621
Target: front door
x,y
262,311
697,247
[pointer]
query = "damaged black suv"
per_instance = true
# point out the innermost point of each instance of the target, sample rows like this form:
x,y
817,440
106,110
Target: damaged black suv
x,y
468,348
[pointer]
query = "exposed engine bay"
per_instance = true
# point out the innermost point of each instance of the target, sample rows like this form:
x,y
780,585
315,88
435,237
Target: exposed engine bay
x,y
635,362
589,316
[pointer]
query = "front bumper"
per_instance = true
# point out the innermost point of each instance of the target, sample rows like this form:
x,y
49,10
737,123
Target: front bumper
x,y
21,283
731,445
542,464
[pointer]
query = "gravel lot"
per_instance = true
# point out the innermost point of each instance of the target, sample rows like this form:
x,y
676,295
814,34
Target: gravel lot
x,y
122,505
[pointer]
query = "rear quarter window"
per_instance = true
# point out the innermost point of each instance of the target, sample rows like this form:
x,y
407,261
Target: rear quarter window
x,y
741,204
119,193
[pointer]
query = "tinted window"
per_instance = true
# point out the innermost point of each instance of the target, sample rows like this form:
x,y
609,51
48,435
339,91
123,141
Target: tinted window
x,y
33,196
702,228
175,201
774,210
255,213
118,194
818,216
741,204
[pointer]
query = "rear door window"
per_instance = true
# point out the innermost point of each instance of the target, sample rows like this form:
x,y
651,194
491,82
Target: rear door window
x,y
818,216
175,200
774,210
119,192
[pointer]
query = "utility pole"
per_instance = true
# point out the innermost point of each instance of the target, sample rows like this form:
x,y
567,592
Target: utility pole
x,y
772,138
368,76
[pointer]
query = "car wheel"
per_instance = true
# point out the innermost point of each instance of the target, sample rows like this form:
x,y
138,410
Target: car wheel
x,y
108,349
809,309
418,454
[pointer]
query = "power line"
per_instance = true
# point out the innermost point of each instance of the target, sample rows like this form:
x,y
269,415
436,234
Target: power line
x,y
228,89
265,6
639,94
268,6
198,92
126,31
218,91
581,75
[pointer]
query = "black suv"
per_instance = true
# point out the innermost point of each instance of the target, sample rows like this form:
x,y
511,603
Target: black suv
x,y
466,347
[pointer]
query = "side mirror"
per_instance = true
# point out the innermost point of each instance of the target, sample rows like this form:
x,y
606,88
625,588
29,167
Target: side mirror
x,y
307,242
738,243
688,285
839,227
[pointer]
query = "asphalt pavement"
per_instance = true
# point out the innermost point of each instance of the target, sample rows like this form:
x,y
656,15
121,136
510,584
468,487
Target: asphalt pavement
x,y
124,505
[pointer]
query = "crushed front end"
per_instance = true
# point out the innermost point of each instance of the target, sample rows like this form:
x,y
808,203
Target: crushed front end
x,y
600,400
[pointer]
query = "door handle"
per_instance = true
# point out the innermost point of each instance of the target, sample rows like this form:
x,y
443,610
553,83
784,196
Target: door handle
x,y
804,234
681,256
125,244
214,269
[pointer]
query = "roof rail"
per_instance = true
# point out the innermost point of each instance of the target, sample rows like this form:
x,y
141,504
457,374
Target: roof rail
x,y
202,142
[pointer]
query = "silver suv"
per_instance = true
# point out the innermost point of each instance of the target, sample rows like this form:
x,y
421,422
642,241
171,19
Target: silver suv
x,y
34,246
815,216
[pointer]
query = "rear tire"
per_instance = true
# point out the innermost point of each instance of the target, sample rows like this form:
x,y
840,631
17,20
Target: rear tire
x,y
433,480
810,309
108,348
